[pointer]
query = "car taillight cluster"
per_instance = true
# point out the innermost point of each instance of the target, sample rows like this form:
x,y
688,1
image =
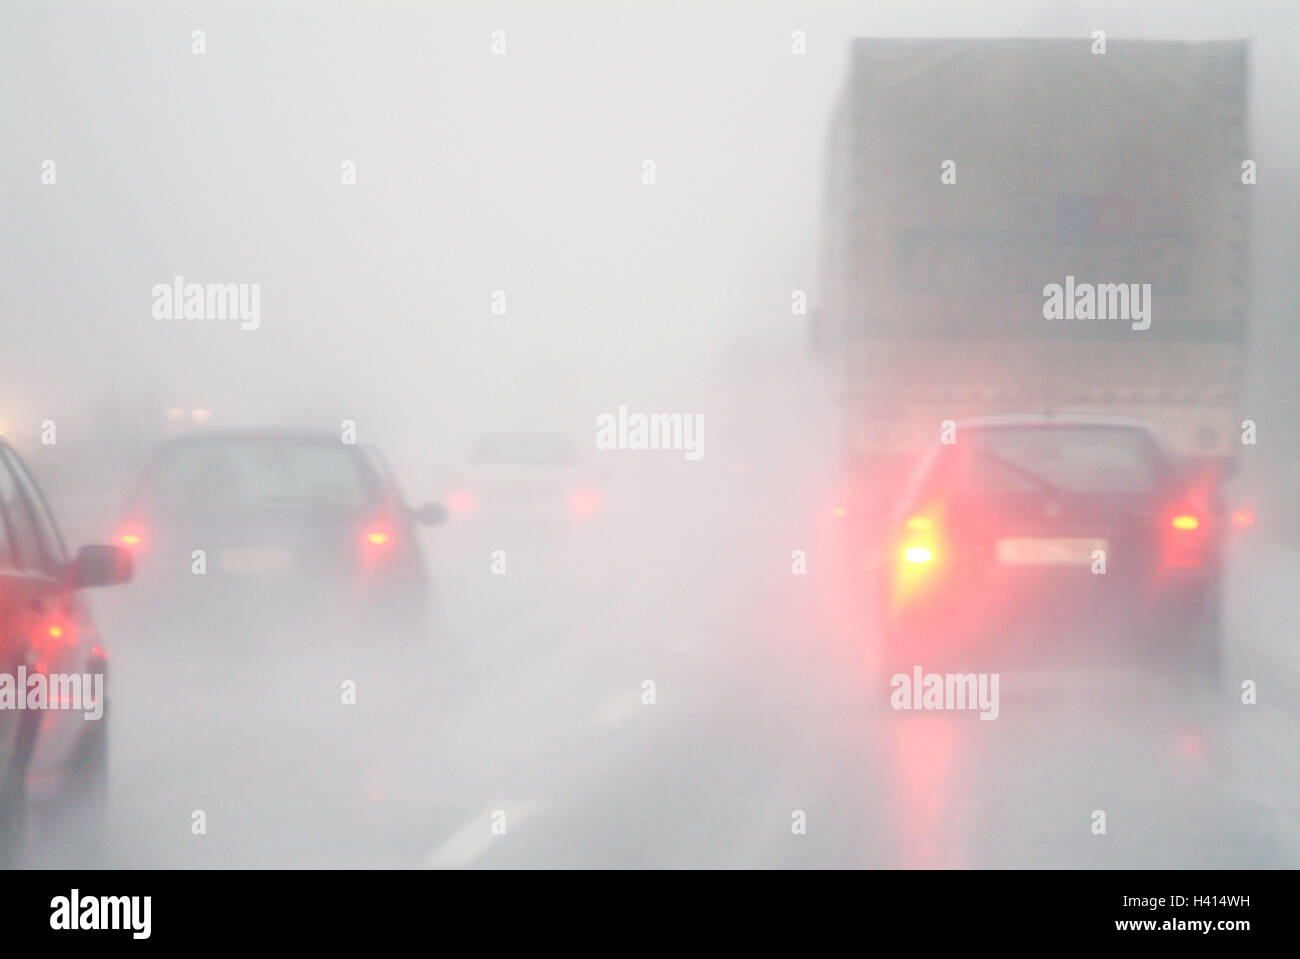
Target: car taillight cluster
x,y
52,637
584,501
377,541
1185,542
915,559
918,540
460,501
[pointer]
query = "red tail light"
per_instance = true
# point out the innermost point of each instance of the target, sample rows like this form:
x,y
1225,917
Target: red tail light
x,y
584,502
918,561
918,540
378,536
51,639
376,542
1242,519
130,538
1185,539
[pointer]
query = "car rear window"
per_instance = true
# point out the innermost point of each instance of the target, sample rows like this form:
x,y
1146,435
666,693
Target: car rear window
x,y
256,473
1089,460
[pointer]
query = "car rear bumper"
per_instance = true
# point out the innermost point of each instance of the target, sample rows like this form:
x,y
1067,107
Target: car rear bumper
x,y
235,610
1052,614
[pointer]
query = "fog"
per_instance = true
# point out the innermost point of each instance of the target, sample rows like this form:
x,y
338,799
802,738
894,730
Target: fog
x,y
453,235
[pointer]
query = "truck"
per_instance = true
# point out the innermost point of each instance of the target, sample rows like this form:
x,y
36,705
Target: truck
x,y
973,185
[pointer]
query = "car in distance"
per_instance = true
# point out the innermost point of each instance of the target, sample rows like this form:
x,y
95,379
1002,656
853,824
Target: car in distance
x,y
282,524
525,476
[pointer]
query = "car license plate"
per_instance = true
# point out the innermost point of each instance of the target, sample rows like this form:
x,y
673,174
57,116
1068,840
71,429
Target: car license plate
x,y
1048,552
247,560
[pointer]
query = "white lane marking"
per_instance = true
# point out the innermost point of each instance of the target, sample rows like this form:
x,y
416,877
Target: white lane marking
x,y
622,705
473,839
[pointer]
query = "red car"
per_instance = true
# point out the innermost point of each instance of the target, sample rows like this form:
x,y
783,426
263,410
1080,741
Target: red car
x,y
1031,533
53,667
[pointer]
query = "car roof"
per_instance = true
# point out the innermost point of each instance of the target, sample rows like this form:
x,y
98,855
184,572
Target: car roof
x,y
200,437
1057,419
523,435
373,463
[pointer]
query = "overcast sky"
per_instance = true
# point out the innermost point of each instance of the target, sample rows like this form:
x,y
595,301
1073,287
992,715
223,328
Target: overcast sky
x,y
475,173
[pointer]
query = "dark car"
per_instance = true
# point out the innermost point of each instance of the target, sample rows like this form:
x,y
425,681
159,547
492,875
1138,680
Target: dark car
x,y
1027,535
276,526
53,746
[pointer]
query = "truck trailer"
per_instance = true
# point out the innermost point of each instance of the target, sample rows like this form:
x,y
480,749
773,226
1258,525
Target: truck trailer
x,y
991,205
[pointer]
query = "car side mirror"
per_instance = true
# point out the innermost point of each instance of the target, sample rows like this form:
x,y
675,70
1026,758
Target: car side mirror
x,y
101,566
430,514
